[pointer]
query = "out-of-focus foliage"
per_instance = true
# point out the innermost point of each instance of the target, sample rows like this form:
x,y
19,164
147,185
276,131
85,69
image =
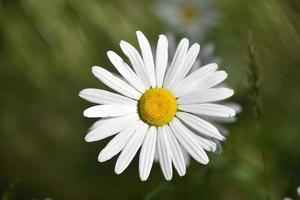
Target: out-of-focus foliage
x,y
47,49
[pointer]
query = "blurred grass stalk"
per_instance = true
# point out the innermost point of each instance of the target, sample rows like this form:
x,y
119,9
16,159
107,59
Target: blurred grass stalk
x,y
254,88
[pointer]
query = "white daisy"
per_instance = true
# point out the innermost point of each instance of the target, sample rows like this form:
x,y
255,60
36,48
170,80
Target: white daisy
x,y
189,17
159,108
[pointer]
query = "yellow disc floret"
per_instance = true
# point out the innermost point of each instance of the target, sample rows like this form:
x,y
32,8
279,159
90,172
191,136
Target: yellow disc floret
x,y
157,106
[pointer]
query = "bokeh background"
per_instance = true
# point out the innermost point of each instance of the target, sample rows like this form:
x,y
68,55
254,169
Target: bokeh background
x,y
47,49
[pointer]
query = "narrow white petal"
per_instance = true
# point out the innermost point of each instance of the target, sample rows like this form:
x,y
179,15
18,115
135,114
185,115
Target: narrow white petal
x,y
131,149
177,156
161,60
147,57
164,153
126,71
204,96
220,119
188,140
206,82
207,144
234,106
147,153
108,127
208,109
116,144
115,83
177,62
104,97
109,110
213,80
200,125
181,72
189,83
136,62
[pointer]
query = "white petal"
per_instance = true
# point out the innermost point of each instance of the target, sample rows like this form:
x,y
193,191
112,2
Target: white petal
x,y
116,144
126,71
115,83
205,83
177,156
189,141
220,119
161,59
147,57
207,144
131,149
108,127
208,95
190,82
234,106
200,125
104,97
208,109
147,153
136,62
213,80
109,110
177,62
189,60
164,153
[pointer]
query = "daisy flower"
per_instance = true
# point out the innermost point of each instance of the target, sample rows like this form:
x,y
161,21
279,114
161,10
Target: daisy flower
x,y
158,108
189,17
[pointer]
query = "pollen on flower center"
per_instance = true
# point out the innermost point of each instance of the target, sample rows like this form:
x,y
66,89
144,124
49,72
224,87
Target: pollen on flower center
x,y
157,106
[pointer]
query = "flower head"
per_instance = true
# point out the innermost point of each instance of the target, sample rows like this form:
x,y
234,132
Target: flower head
x,y
158,108
189,17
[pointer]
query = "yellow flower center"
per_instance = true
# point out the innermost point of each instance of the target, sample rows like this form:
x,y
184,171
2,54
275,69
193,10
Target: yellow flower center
x,y
157,106
189,13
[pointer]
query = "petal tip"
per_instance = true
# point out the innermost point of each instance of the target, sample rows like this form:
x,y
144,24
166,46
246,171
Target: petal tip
x,y
205,162
182,173
109,53
139,33
95,69
123,42
232,114
102,158
143,178
222,138
118,170
81,93
88,138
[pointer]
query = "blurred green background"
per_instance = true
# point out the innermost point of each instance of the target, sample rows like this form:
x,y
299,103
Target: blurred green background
x,y
47,49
